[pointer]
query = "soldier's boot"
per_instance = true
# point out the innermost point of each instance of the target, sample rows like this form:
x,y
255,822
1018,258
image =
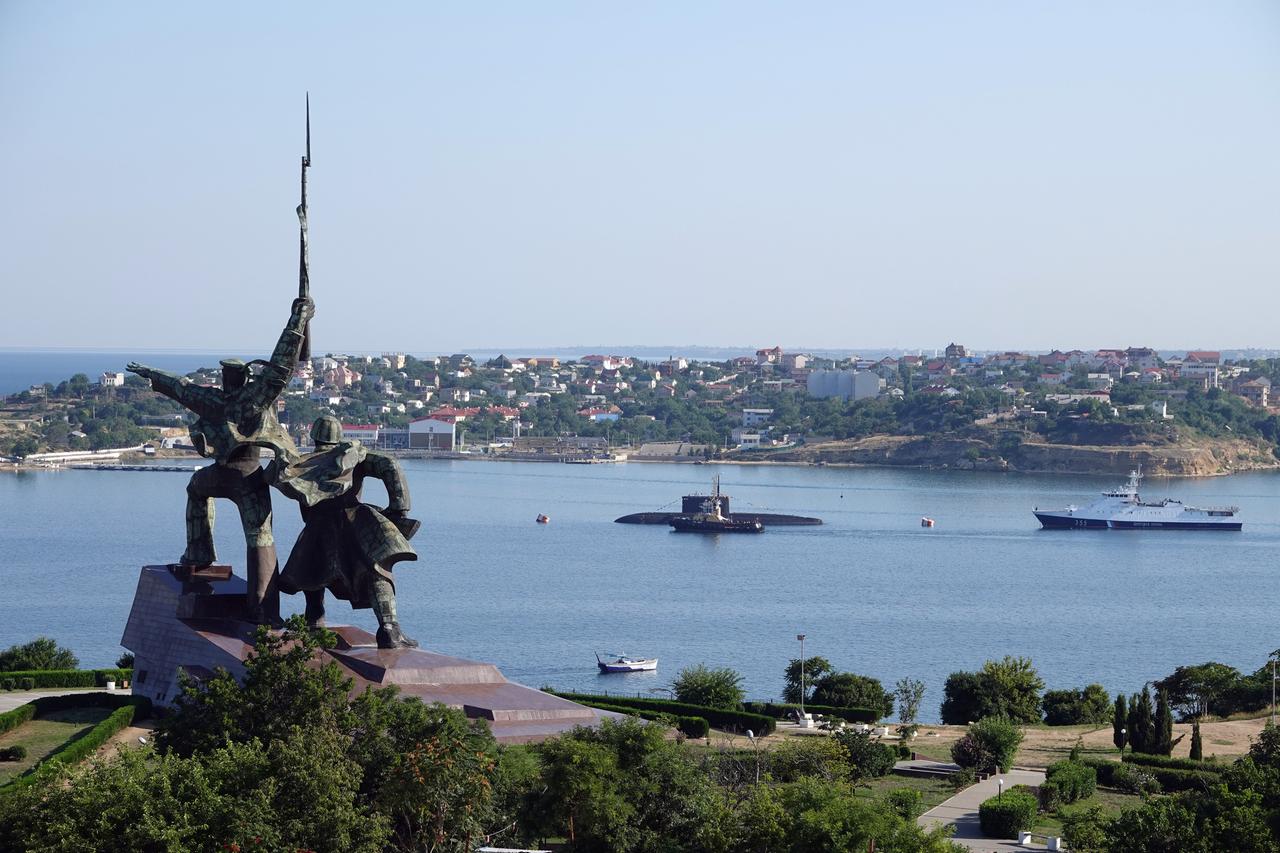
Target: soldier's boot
x,y
200,550
384,607
262,596
315,607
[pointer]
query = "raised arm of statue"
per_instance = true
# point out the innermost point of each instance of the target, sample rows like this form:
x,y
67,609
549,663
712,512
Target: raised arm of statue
x,y
388,470
199,399
263,389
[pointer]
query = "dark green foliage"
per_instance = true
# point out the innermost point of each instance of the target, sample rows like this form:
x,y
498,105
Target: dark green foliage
x,y
1206,688
1072,781
13,753
8,684
905,802
737,721
1133,779
1073,707
1142,724
1162,737
962,778
26,683
1005,815
992,741
75,751
19,715
848,690
1171,763
51,678
712,688
1197,745
1119,723
695,727
783,711
125,661
814,669
867,758
1006,688
818,757
1084,829
40,653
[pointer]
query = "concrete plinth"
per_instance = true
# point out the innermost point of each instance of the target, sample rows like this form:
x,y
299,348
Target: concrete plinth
x,y
194,626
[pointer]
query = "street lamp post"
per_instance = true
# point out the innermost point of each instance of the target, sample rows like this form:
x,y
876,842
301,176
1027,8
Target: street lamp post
x,y
751,736
800,637
1000,792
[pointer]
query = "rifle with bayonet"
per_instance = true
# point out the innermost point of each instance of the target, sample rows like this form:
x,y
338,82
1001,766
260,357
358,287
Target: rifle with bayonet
x,y
304,261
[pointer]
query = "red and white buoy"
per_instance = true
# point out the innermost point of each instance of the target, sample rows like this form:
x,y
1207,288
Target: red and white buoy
x,y
543,519
926,522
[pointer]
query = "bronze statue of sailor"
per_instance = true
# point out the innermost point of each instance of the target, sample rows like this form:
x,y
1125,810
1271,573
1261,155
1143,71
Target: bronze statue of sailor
x,y
346,546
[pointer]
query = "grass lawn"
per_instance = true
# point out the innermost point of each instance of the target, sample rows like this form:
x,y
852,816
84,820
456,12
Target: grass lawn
x,y
42,736
932,791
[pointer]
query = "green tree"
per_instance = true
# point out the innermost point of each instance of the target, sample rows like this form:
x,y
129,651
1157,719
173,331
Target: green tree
x,y
1006,688
1142,727
908,693
1120,723
1162,742
714,688
848,690
40,653
814,668
1197,746
1198,690
990,741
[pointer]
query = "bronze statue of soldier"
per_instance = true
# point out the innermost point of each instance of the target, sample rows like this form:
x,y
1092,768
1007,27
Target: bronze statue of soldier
x,y
235,422
346,546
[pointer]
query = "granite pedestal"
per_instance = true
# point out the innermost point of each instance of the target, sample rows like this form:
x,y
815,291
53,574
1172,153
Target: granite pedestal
x,y
184,622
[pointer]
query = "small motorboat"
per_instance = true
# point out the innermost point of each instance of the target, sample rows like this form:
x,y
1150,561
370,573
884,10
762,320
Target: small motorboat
x,y
622,663
926,522
543,519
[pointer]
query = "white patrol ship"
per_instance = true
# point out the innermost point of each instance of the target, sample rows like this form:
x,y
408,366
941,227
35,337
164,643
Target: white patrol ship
x,y
1123,509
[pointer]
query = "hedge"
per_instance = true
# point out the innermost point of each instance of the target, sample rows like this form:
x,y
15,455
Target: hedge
x,y
43,678
1166,761
126,708
16,717
719,717
695,727
782,711
1170,778
1004,816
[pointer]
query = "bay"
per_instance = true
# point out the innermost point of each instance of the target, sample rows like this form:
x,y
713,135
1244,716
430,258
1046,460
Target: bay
x,y
874,592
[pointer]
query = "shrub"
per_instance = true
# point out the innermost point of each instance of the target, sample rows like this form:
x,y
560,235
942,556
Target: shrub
x,y
1072,780
26,684
694,727
849,690
1167,762
963,778
818,757
714,688
738,721
40,653
43,678
7,684
13,753
1006,688
867,758
1049,796
1134,780
905,801
12,719
1005,815
991,742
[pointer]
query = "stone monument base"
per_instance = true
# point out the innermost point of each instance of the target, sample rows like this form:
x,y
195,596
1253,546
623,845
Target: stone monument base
x,y
184,621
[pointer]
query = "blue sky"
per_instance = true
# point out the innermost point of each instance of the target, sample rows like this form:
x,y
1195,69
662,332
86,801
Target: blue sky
x,y
529,174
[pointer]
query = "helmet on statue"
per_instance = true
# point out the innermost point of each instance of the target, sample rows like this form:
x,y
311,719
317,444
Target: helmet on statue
x,y
326,430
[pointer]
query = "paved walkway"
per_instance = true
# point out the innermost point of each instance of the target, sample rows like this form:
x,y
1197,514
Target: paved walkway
x,y
14,698
962,810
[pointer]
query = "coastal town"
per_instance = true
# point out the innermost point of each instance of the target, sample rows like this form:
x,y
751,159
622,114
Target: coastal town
x,y
1188,412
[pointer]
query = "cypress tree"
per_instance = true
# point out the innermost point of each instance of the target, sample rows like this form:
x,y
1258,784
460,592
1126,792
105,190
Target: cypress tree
x,y
1197,748
1162,733
1142,735
1119,722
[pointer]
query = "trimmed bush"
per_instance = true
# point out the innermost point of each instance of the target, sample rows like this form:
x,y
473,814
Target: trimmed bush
x,y
12,719
27,683
1071,781
13,753
46,678
906,802
7,684
1005,815
1167,762
781,711
695,727
962,778
1135,780
718,717
126,709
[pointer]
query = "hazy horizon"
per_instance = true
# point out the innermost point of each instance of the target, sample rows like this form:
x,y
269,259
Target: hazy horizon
x,y
1001,174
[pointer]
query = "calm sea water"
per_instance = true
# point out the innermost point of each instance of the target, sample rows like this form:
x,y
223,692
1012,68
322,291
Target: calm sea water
x,y
875,593
19,370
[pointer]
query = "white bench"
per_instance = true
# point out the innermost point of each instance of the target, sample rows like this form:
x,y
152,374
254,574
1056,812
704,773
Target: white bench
x,y
1028,839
